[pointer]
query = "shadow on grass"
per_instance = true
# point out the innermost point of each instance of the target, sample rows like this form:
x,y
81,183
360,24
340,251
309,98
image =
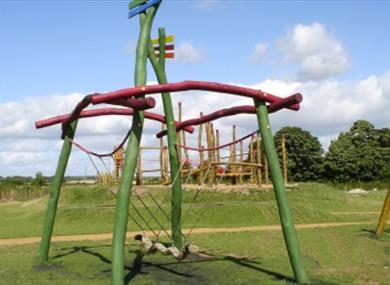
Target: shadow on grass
x,y
142,267
149,267
134,270
84,249
372,233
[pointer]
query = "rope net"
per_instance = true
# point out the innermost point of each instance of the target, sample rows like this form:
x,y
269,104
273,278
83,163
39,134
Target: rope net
x,y
214,172
202,171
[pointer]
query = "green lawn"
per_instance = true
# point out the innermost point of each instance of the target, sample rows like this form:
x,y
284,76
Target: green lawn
x,y
347,255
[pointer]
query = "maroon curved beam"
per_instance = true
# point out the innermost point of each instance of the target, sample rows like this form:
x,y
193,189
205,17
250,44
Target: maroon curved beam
x,y
135,103
76,112
185,86
287,102
102,112
245,109
97,98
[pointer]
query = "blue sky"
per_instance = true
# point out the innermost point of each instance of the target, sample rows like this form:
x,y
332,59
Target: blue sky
x,y
51,50
69,46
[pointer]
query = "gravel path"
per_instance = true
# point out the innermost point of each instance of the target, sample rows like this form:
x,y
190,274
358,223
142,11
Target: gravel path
x,y
108,236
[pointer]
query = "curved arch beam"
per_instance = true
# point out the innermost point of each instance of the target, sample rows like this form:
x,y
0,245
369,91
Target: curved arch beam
x,y
103,112
99,98
245,109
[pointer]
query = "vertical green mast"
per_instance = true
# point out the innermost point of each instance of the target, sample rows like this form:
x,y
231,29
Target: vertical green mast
x,y
174,163
123,197
286,220
55,193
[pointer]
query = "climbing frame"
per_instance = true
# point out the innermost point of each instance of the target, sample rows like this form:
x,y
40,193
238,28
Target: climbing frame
x,y
136,102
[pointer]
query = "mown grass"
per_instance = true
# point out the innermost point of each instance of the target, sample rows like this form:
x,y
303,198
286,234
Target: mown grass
x,y
90,209
332,256
347,255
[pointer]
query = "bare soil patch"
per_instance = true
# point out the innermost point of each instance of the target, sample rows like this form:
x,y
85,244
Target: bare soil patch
x,y
107,236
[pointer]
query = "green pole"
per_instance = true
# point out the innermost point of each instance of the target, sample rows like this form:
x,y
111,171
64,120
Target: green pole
x,y
55,193
176,193
289,233
125,187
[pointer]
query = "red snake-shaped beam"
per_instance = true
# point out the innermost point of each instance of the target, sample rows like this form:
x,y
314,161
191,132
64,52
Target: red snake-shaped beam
x,y
99,98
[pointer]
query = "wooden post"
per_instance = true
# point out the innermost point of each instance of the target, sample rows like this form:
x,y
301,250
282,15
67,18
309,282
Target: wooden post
x,y
258,160
234,156
104,179
126,183
52,202
240,169
174,161
212,144
118,161
218,154
287,223
166,165
284,158
251,160
183,133
207,131
162,156
209,152
201,154
217,143
179,136
138,179
384,215
266,171
116,166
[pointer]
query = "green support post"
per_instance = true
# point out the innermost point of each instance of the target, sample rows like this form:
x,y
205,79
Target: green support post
x,y
55,194
286,219
125,187
174,163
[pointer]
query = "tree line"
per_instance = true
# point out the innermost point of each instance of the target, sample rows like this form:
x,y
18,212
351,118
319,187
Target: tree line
x,y
362,154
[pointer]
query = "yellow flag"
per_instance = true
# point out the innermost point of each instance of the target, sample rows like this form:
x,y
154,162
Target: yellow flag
x,y
168,39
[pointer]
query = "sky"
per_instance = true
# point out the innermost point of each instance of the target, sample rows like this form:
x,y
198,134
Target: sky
x,y
53,53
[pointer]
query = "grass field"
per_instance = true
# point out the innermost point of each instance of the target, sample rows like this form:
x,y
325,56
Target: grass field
x,y
333,255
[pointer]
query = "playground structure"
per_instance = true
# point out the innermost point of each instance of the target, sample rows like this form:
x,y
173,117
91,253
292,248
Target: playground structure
x,y
242,163
134,102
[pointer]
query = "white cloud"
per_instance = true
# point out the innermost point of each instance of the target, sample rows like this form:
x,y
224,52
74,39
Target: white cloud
x,y
328,108
208,4
259,52
318,53
331,107
205,4
18,117
211,4
188,53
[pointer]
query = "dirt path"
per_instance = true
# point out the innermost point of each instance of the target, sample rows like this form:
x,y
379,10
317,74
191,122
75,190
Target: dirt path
x,y
356,213
108,236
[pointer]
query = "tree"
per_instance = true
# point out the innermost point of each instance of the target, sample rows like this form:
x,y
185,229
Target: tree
x,y
383,137
39,179
304,154
355,155
384,149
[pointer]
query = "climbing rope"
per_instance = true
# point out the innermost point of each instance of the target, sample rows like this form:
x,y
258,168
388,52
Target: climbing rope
x,y
221,146
144,218
110,154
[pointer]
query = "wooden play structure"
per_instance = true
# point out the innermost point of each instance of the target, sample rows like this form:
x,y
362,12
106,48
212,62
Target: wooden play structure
x,y
135,102
245,158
